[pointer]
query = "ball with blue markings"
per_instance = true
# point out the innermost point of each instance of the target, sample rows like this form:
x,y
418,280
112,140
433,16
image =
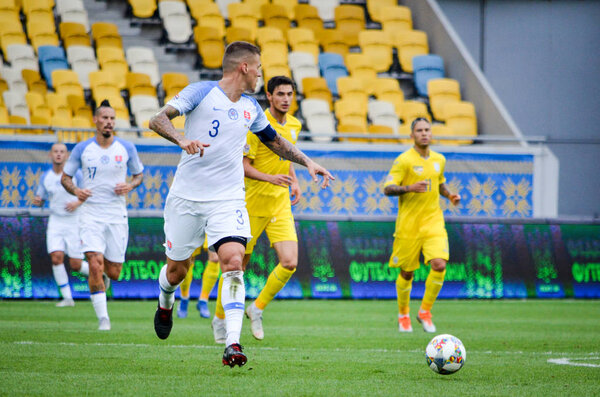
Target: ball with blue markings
x,y
445,354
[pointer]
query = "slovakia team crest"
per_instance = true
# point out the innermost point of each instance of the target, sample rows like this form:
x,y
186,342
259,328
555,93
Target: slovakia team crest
x,y
118,159
247,115
233,114
104,159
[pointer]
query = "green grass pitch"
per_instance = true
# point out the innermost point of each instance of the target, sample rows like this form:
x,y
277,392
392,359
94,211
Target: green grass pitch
x,y
311,348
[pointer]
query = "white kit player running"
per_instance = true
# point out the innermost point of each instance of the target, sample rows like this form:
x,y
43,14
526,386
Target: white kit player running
x,y
103,225
62,234
207,194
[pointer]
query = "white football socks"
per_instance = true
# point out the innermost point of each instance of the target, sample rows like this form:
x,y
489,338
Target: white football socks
x,y
62,280
166,299
99,303
85,268
233,295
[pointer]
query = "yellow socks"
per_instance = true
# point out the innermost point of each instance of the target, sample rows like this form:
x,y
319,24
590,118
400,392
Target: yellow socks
x,y
433,285
219,312
403,288
209,278
277,279
186,283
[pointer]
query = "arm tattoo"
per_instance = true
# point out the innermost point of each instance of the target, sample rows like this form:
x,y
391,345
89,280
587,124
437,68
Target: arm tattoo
x,y
136,180
67,182
161,124
285,149
444,190
395,190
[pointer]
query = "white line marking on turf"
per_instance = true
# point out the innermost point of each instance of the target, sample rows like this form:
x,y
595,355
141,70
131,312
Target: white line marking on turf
x,y
567,361
591,355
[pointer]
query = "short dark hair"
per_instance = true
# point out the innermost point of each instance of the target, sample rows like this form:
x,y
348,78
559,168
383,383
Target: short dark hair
x,y
236,52
276,81
415,121
103,104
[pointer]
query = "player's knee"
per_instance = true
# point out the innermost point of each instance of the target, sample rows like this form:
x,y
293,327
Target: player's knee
x,y
57,257
75,264
438,265
289,263
406,275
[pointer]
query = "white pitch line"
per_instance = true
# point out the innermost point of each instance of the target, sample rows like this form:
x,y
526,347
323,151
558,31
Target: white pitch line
x,y
567,361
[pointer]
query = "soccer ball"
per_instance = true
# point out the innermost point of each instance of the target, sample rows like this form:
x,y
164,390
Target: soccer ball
x,y
445,354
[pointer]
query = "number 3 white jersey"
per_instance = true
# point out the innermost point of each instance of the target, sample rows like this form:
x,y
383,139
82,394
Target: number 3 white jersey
x,y
102,170
212,118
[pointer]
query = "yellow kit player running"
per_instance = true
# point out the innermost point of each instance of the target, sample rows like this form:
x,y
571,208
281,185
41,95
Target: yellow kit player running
x,y
268,202
209,279
417,177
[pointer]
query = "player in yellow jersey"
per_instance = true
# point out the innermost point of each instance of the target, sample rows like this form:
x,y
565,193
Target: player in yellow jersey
x,y
417,177
270,181
209,279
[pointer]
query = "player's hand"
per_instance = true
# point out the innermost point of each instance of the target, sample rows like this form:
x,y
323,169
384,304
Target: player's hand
x,y
83,194
193,147
123,188
454,199
37,201
315,169
295,192
281,180
72,205
419,187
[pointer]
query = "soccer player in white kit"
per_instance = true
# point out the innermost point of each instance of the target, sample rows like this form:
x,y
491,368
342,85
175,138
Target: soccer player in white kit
x,y
104,160
62,234
207,194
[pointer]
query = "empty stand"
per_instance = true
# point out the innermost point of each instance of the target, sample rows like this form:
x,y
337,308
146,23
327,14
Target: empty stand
x,y
350,19
319,119
143,8
425,68
210,46
332,67
376,46
176,21
442,91
302,65
83,62
383,113
142,60
51,58
461,118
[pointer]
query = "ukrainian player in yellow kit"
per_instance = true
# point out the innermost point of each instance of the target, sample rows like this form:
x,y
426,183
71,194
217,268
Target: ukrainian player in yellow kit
x,y
417,177
209,279
270,181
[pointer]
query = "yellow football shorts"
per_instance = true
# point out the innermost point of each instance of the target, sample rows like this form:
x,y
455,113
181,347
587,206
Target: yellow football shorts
x,y
406,252
278,228
198,250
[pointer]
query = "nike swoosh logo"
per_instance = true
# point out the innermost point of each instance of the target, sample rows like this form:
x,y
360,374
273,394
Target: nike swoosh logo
x,y
219,110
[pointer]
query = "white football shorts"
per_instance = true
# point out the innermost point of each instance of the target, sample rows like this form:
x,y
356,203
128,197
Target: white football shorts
x,y
110,239
63,235
187,221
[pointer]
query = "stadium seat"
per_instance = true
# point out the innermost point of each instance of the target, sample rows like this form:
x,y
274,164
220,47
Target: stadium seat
x,y
410,43
276,70
461,118
343,128
307,16
37,6
375,8
350,19
268,34
316,88
40,22
237,34
351,88
44,39
106,34
173,83
319,119
326,8
442,130
34,81
143,8
376,46
77,14
425,68
21,56
396,18
210,46
73,33
83,62
378,129
14,80
103,84
176,21
388,89
16,104
303,40
11,34
302,65
223,6
140,84
351,112
242,15
442,91
333,40
276,16
383,113
37,105
51,58
274,54
207,14
257,5
60,107
79,107
143,107
289,5
360,66
81,122
332,67
142,60
412,110
66,82
112,59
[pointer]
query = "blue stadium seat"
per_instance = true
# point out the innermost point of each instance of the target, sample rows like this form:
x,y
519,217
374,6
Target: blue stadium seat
x,y
51,58
332,67
425,68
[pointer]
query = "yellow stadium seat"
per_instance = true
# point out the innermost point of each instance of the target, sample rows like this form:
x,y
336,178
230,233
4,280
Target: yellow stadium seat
x,y
40,120
42,39
41,22
269,34
14,119
59,105
82,122
237,34
37,6
276,70
307,16
143,8
303,40
12,36
351,112
73,33
66,82
242,16
174,82
37,104
210,46
388,89
316,87
207,14
442,130
79,107
360,66
257,5
102,78
344,128
289,6
350,19
276,16
351,87
461,118
376,129
333,40
112,59
375,44
34,81
140,84
396,18
412,110
274,54
442,91
106,34
4,119
410,43
375,8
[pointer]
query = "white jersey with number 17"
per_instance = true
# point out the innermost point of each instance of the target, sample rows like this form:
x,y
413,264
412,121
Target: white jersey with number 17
x,y
212,118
